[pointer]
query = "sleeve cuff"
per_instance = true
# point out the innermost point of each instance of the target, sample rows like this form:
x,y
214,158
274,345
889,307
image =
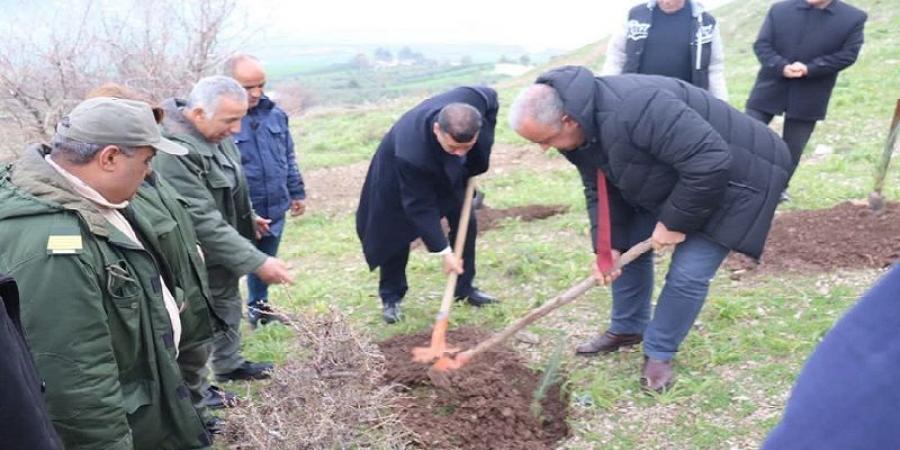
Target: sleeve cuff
x,y
446,251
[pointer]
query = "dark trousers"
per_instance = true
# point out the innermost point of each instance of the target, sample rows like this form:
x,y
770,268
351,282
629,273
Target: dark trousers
x,y
796,133
257,289
392,284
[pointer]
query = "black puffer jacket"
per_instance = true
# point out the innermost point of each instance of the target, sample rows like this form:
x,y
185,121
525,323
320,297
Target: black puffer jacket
x,y
676,151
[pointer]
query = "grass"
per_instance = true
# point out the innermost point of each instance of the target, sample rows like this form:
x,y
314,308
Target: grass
x,y
752,337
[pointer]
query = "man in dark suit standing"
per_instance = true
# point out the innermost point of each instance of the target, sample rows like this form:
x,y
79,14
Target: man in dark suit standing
x,y
802,46
417,176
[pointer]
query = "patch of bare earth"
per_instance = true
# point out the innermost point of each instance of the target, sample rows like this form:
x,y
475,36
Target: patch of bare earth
x,y
489,403
846,236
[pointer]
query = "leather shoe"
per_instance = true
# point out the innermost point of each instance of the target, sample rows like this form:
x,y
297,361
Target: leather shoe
x,y
260,313
214,425
218,398
608,342
390,313
248,371
657,375
478,298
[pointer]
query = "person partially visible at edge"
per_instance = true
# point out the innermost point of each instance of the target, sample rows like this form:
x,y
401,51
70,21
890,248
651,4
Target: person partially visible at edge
x,y
692,174
26,423
165,209
847,395
801,47
417,176
99,305
673,38
212,182
270,165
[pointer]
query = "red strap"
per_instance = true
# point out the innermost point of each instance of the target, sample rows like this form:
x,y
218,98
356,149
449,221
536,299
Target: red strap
x,y
604,236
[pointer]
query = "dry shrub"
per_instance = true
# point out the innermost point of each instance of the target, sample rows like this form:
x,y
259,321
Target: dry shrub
x,y
331,395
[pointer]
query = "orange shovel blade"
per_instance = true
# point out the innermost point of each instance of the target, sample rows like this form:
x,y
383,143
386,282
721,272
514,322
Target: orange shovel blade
x,y
438,346
448,363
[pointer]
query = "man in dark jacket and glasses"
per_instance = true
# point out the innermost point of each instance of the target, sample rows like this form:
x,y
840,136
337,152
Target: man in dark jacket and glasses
x,y
681,167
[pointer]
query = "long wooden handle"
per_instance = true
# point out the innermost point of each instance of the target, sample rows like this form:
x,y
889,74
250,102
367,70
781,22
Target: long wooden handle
x,y
458,246
566,297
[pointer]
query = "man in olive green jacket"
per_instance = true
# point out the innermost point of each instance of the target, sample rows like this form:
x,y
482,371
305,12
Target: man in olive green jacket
x,y
158,203
98,310
210,179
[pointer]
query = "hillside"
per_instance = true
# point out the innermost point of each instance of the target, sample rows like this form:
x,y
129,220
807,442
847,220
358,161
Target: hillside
x,y
857,123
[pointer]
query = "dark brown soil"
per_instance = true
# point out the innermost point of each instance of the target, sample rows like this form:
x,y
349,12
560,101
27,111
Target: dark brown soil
x,y
847,236
488,404
489,218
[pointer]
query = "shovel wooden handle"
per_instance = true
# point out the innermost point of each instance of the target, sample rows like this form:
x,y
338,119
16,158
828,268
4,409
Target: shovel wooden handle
x,y
458,246
566,297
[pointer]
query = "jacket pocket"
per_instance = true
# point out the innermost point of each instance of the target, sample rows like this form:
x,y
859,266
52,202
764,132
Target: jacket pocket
x,y
122,285
134,395
278,135
737,211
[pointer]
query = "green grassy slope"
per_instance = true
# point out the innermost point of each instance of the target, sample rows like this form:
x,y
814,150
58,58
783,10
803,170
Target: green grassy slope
x,y
737,365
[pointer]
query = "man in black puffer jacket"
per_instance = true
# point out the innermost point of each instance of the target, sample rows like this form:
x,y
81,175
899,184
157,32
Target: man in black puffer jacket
x,y
681,167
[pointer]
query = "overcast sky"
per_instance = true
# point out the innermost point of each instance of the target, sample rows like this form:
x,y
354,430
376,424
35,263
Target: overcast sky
x,y
560,24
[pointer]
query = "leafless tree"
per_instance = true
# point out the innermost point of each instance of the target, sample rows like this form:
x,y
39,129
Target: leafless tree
x,y
49,61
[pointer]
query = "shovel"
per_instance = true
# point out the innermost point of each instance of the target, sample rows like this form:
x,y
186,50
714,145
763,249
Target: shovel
x,y
437,373
439,334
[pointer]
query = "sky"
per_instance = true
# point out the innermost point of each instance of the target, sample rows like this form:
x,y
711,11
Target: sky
x,y
561,24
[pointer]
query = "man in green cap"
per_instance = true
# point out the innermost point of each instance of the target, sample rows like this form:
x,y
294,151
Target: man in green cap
x,y
99,306
157,202
210,179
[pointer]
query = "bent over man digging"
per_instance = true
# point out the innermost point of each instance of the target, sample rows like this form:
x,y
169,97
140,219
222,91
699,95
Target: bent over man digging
x,y
681,167
417,176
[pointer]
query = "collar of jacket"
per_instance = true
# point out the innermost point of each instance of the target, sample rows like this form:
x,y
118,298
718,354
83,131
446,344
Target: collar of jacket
x,y
34,176
576,87
697,8
801,4
265,105
176,126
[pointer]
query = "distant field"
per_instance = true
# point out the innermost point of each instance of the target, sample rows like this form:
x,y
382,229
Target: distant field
x,y
351,85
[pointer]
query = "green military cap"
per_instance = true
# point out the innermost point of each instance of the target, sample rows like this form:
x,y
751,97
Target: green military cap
x,y
110,120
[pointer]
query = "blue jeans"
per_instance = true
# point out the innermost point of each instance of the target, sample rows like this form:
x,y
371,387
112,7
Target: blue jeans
x,y
694,263
268,244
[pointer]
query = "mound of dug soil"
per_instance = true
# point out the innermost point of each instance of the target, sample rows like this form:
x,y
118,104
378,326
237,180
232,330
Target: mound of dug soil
x,y
846,236
488,403
489,218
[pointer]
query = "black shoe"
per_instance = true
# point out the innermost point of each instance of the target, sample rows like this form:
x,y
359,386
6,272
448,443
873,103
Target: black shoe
x,y
218,398
260,313
248,371
214,425
478,298
608,342
390,312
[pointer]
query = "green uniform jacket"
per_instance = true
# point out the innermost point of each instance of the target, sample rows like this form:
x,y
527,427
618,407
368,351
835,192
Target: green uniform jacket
x,y
210,178
93,311
158,203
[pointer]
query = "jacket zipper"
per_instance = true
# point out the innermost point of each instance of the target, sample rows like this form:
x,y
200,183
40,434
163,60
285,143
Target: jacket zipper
x,y
699,40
